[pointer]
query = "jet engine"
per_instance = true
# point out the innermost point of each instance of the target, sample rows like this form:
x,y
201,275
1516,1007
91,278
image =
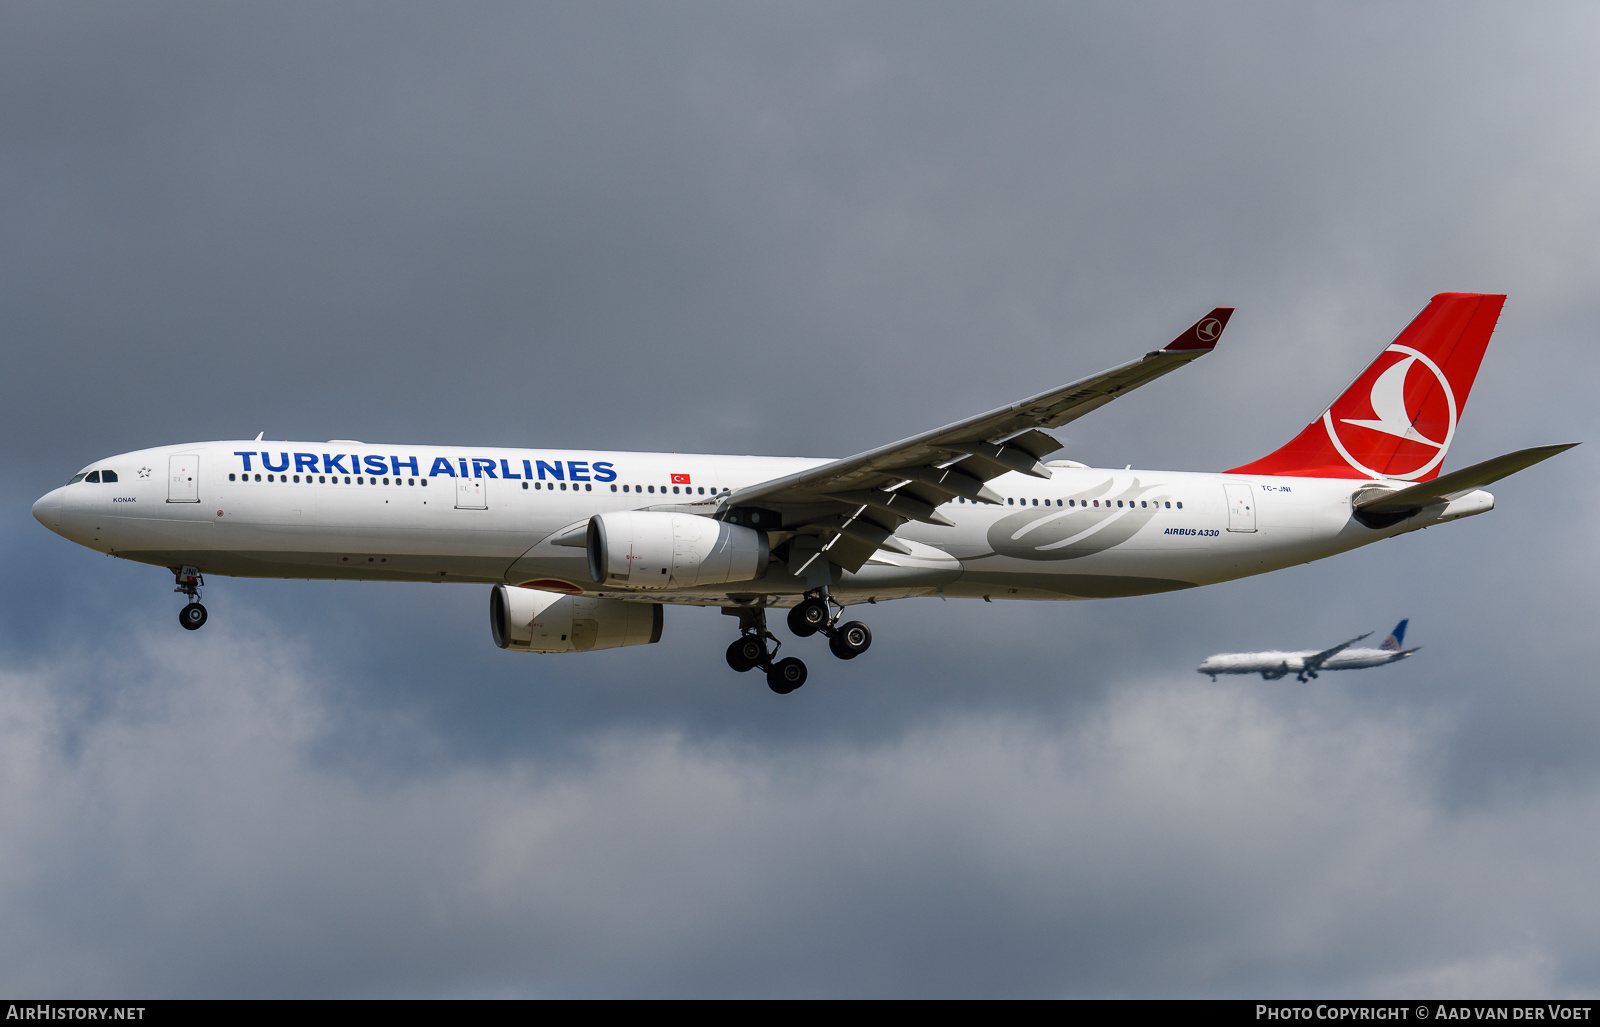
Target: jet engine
x,y
644,549
531,620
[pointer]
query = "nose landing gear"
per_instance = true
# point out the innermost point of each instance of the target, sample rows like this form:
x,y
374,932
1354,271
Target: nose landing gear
x,y
756,646
189,581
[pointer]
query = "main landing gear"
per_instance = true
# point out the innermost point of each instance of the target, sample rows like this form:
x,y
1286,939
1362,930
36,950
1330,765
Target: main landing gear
x,y
751,650
814,614
189,581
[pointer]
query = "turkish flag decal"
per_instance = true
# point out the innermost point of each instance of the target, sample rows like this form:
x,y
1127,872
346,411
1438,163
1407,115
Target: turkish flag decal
x,y
680,479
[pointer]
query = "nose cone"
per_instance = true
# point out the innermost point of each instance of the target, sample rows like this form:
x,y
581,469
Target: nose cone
x,y
47,510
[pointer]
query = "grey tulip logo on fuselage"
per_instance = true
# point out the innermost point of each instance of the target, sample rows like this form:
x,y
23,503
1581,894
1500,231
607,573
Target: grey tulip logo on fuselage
x,y
1094,523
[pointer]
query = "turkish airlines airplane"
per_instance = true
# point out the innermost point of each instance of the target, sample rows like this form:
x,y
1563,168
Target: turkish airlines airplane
x,y
584,548
1274,665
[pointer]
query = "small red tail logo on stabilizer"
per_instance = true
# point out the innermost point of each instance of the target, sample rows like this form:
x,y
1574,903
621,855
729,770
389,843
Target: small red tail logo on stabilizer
x,y
1398,418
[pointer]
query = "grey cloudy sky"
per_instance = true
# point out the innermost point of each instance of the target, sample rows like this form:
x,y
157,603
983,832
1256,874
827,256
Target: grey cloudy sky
x,y
792,229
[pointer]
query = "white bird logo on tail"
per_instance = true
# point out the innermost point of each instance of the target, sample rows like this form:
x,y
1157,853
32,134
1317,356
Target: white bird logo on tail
x,y
1389,403
1388,398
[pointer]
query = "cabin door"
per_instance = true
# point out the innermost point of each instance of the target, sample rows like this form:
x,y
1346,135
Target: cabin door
x,y
469,494
1241,506
183,478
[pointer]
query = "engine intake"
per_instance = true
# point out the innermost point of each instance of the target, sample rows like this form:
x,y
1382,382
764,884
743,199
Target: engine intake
x,y
643,549
532,620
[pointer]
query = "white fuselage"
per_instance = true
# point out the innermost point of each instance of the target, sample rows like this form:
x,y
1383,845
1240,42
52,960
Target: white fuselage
x,y
418,513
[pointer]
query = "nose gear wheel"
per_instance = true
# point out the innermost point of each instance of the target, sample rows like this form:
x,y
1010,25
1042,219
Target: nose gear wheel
x,y
189,582
192,616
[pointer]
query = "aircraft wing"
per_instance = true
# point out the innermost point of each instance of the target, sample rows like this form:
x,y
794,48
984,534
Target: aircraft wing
x,y
854,505
1455,484
1315,662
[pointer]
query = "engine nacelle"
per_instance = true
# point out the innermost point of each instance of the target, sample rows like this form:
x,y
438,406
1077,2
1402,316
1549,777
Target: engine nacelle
x,y
532,620
643,549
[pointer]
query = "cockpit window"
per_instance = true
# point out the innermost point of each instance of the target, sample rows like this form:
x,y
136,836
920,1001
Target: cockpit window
x,y
78,477
94,476
108,476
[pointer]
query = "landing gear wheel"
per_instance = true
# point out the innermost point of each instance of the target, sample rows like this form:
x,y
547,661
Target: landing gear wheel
x,y
810,617
786,675
746,653
850,640
192,616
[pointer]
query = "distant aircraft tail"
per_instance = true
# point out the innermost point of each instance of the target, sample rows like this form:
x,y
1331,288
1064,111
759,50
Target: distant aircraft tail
x,y
1397,419
1396,638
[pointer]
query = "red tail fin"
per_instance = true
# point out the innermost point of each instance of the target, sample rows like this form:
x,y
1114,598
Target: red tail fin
x,y
1397,419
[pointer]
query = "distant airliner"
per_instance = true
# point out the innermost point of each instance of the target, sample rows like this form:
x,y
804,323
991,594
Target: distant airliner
x,y
1274,665
584,548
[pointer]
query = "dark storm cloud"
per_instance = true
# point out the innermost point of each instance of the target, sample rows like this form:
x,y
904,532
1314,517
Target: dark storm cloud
x,y
808,230
1163,844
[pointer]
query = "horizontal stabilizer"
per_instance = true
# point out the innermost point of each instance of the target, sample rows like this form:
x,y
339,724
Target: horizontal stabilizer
x,y
1457,483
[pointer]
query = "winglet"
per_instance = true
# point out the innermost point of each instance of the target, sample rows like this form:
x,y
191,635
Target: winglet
x,y
1204,333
